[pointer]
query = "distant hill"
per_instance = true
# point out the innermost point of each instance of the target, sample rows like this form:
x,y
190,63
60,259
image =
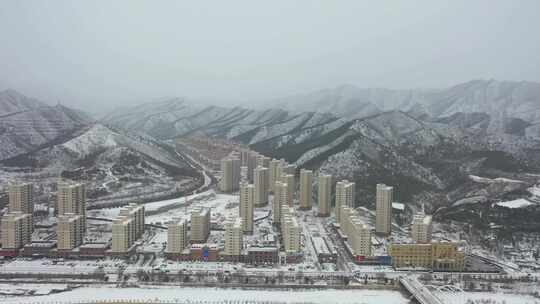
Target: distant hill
x,y
27,124
425,142
506,102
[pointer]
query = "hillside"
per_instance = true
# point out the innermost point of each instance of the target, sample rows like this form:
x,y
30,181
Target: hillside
x,y
27,124
508,104
425,142
115,165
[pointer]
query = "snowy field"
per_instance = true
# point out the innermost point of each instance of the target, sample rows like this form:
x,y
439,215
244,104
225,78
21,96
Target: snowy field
x,y
216,294
518,203
487,298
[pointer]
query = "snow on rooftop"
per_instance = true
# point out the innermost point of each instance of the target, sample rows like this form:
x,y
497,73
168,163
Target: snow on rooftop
x,y
398,206
518,203
534,190
486,180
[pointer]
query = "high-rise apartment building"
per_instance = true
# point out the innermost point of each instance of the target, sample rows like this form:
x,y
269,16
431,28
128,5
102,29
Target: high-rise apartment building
x,y
306,187
421,228
21,198
71,198
233,237
344,197
16,230
137,213
358,234
290,230
122,234
289,169
247,200
177,236
383,221
200,224
231,170
324,194
226,183
291,187
273,172
236,173
127,227
69,231
252,163
263,161
261,176
280,198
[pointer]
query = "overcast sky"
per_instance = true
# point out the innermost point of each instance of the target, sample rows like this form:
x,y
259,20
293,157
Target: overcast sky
x,y
99,53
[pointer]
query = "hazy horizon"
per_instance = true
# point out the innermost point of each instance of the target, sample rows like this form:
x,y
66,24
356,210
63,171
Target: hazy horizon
x,y
93,55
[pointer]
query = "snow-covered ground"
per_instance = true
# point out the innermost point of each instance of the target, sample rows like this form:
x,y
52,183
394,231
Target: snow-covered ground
x,y
217,294
518,203
486,297
535,191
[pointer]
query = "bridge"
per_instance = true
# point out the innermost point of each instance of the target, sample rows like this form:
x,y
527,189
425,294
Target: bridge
x,y
421,293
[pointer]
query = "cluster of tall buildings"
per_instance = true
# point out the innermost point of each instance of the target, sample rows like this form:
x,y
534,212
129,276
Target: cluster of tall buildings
x,y
265,176
177,232
71,212
17,223
71,225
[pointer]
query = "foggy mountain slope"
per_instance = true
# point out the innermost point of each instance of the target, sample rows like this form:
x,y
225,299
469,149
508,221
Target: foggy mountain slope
x,y
425,148
113,163
176,117
12,102
28,124
503,101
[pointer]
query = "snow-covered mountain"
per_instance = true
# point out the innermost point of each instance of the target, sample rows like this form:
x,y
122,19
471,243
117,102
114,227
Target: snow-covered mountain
x,y
507,103
179,117
417,153
27,124
12,101
115,165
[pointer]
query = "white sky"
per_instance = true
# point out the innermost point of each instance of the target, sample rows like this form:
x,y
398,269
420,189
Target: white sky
x,y
92,54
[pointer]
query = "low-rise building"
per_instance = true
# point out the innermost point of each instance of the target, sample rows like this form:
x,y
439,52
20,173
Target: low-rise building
x,y
204,252
262,255
439,256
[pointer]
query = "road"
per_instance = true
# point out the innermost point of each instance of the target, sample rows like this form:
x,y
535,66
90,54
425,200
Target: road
x,y
420,292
